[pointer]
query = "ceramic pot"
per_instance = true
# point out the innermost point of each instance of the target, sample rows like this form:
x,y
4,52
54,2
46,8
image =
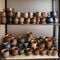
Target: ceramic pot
x,y
10,9
49,44
43,52
26,45
43,20
18,15
27,20
3,14
38,14
5,52
33,20
21,20
21,51
44,14
49,52
36,51
33,43
7,45
50,20
30,14
16,20
38,20
14,50
3,20
26,15
28,51
56,20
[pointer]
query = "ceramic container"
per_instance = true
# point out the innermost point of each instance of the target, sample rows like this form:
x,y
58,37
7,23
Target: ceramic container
x,y
30,14
18,15
5,52
38,20
3,20
44,14
28,51
10,9
38,14
33,20
27,20
14,50
3,14
26,15
16,20
21,20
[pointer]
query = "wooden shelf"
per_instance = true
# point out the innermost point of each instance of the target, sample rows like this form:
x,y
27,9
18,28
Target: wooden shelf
x,y
32,57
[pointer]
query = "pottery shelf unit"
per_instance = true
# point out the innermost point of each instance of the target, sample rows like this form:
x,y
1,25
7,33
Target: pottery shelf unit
x,y
50,21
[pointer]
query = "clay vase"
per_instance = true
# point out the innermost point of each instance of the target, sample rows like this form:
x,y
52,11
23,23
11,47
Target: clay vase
x,y
28,51
44,14
33,20
38,14
38,20
16,20
3,20
27,20
5,53
14,50
30,14
26,15
21,20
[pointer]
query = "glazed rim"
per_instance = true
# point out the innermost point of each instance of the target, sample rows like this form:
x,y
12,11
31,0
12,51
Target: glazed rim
x,y
15,48
29,32
9,9
4,50
28,49
54,49
21,37
5,43
33,40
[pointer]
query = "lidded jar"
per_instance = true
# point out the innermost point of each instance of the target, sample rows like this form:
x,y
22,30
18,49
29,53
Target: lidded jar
x,y
5,52
16,20
44,14
38,14
38,21
28,51
27,20
14,50
30,14
21,20
26,15
3,20
33,20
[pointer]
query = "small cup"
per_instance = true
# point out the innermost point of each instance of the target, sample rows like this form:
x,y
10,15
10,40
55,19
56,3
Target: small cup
x,y
30,14
21,20
16,20
3,20
5,52
14,50
26,15
28,51
27,20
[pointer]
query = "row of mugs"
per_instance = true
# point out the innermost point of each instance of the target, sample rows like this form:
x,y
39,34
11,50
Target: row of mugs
x,y
28,51
21,20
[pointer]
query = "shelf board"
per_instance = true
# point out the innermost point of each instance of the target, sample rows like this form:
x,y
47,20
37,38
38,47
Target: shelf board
x,y
32,57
